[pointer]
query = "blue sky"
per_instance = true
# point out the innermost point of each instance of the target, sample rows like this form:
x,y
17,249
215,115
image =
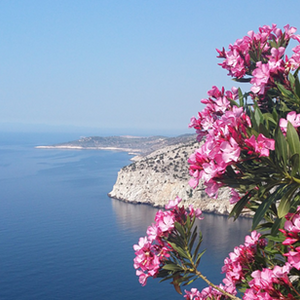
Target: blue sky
x,y
122,65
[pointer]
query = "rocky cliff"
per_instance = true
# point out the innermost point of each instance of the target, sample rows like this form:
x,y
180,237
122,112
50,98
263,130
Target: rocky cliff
x,y
162,175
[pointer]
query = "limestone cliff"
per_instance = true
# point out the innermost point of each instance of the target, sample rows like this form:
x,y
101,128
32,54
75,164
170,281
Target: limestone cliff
x,y
162,175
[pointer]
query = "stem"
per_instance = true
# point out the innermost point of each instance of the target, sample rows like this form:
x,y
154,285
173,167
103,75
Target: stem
x,y
296,180
199,274
292,288
215,286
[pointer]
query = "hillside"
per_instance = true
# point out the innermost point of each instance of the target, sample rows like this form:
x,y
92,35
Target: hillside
x,y
162,175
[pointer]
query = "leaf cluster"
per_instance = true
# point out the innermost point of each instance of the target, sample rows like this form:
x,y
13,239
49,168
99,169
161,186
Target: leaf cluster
x,y
269,185
181,266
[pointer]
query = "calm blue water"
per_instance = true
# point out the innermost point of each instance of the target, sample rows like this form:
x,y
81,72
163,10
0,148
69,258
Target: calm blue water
x,y
62,237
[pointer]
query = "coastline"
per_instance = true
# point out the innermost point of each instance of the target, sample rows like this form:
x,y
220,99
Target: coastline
x,y
128,150
155,178
246,215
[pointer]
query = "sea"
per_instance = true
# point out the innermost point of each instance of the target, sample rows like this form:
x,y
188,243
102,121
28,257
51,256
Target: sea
x,y
62,237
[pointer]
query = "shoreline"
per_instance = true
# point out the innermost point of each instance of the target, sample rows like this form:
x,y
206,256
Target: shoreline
x,y
128,150
215,212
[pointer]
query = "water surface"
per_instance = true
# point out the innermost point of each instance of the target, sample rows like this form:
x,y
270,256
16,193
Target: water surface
x,y
62,237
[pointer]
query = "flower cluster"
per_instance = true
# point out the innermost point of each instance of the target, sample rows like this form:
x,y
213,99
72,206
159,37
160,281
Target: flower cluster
x,y
236,267
154,249
224,127
216,105
261,280
292,233
208,293
253,148
276,282
291,117
269,283
225,130
261,55
240,261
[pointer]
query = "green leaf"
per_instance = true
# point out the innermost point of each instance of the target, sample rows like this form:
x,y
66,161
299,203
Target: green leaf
x,y
239,206
295,164
191,281
253,56
188,225
291,79
297,83
270,117
275,115
193,239
264,226
285,202
258,116
197,248
264,206
273,44
172,267
242,79
164,274
284,91
279,237
179,250
241,97
281,147
293,139
179,228
199,257
279,223
262,129
296,72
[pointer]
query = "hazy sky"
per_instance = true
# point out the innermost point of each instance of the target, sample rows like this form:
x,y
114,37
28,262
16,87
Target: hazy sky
x,y
119,64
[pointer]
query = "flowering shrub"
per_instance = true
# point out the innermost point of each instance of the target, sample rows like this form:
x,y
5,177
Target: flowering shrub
x,y
250,144
157,252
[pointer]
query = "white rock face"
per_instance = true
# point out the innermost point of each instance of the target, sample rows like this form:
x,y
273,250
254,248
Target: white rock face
x,y
161,176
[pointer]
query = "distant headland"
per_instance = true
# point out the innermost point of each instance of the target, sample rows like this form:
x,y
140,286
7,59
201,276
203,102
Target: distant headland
x,y
159,171
131,144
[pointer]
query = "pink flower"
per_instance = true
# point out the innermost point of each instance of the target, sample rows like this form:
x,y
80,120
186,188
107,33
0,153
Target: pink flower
x,y
142,277
193,182
217,103
147,261
291,117
289,31
254,294
294,258
230,150
253,239
173,203
143,242
294,62
262,279
193,294
261,145
293,223
196,212
260,78
165,220
239,262
153,232
282,272
212,188
235,197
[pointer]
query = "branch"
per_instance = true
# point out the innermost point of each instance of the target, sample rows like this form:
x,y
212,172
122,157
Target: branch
x,y
199,274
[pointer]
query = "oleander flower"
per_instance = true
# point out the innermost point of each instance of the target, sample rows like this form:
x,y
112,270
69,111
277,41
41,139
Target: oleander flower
x,y
261,144
291,117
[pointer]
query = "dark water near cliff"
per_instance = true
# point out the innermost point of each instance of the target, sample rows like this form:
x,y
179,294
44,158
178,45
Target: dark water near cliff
x,y
61,237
